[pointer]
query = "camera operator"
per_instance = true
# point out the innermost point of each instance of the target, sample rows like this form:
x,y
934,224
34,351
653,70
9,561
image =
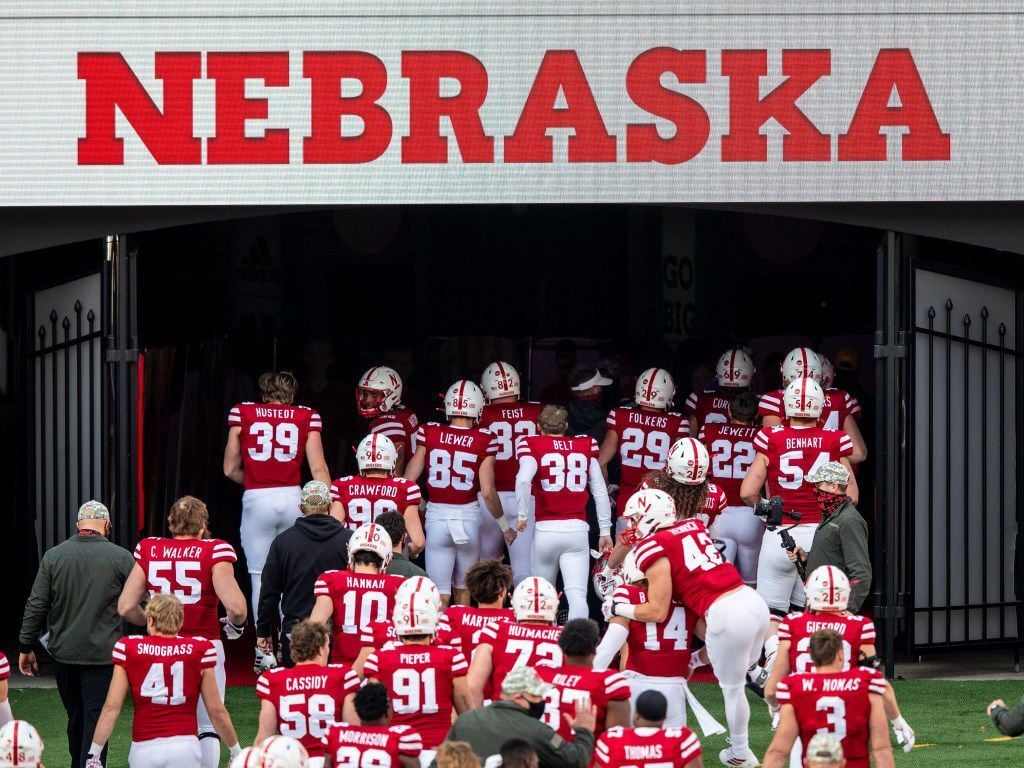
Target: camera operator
x,y
841,538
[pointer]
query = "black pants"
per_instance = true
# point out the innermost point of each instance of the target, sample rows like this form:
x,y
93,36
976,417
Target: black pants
x,y
83,689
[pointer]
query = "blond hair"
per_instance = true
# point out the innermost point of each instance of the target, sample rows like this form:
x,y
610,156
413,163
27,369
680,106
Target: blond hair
x,y
278,387
553,420
188,517
307,639
166,613
456,754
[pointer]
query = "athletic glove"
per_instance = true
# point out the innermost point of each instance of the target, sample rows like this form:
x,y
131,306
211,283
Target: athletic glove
x,y
904,733
231,632
94,762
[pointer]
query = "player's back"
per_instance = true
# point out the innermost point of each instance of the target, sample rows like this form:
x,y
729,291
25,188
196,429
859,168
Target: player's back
x,y
507,422
699,573
184,568
273,441
575,684
468,621
798,628
839,404
400,424
308,698
731,448
646,748
367,498
164,676
514,644
793,453
380,746
358,599
708,406
454,455
563,467
645,435
657,649
380,634
837,703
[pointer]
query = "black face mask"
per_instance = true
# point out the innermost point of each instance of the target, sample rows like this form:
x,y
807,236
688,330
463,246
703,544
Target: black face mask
x,y
536,709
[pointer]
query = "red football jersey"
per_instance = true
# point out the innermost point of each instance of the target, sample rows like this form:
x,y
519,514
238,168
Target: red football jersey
x,y
454,455
421,679
5,667
563,473
184,568
837,703
379,746
400,425
164,674
520,645
838,405
657,649
793,453
798,628
468,622
646,748
359,600
644,439
273,439
508,422
699,572
308,698
573,684
710,406
771,404
380,633
367,498
732,452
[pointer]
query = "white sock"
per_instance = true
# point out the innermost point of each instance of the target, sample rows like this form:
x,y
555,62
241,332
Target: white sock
x,y
5,712
737,716
209,748
771,648
256,581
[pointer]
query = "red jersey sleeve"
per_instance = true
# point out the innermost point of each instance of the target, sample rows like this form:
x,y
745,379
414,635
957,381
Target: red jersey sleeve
x,y
845,447
410,743
782,691
412,494
648,552
761,441
316,424
235,417
595,449
263,687
602,753
489,634
223,553
690,406
336,490
459,664
209,658
853,406
770,404
321,587
876,683
784,631
371,666
419,437
522,447
350,682
5,667
616,687
867,632
119,654
612,422
689,747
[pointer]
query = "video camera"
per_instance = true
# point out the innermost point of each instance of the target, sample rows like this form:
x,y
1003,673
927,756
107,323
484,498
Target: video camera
x,y
770,510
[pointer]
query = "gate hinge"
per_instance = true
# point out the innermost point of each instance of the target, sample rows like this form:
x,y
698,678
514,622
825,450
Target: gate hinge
x,y
886,612
122,355
891,350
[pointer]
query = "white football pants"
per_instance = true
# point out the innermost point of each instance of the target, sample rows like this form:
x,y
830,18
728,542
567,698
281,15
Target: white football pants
x,y
453,543
743,534
672,688
777,579
170,752
492,543
564,545
265,513
210,747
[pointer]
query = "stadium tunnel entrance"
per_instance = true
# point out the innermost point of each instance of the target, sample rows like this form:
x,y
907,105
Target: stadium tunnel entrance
x,y
185,318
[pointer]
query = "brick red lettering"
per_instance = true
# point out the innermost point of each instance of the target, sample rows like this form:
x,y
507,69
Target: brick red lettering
x,y
590,143
748,111
111,85
325,71
924,140
425,70
643,84
230,146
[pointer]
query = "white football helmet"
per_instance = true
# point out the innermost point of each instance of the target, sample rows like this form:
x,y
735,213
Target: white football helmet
x,y
463,398
735,369
416,615
688,461
655,388
652,510
803,399
631,573
801,361
20,745
535,599
250,757
500,380
376,452
381,384
828,372
284,752
419,585
371,538
827,589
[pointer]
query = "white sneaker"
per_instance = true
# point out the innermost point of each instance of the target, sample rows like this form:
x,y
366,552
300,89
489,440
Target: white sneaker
x,y
744,759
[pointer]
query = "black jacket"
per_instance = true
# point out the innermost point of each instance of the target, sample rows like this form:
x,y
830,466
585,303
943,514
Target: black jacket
x,y
297,556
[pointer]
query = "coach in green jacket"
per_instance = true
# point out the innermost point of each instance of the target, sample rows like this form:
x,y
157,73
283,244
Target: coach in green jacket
x,y
518,714
841,538
75,594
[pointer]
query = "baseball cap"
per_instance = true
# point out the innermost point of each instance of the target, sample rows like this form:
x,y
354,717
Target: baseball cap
x,y
524,680
824,748
93,510
847,359
584,376
315,493
829,472
652,706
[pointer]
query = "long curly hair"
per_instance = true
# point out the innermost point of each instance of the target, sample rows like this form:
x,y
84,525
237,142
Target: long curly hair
x,y
690,500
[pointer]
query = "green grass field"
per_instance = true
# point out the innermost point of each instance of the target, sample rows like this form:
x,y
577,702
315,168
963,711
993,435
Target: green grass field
x,y
949,718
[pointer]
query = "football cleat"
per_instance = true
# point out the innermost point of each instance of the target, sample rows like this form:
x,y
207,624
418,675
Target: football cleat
x,y
744,759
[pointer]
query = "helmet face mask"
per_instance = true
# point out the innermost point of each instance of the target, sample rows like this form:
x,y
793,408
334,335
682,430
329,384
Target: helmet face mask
x,y
688,461
828,372
371,538
500,380
535,599
376,452
801,361
655,388
463,399
827,590
803,399
735,369
652,509
379,391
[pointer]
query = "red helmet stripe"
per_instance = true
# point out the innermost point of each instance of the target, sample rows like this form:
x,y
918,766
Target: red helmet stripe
x,y
369,374
536,595
732,366
501,370
650,384
14,741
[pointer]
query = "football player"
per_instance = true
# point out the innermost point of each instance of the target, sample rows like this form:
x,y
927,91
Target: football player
x,y
656,654
731,447
650,743
641,436
362,594
785,455
379,401
681,563
508,418
841,410
800,362
848,704
358,500
200,573
577,680
530,640
427,681
266,445
374,741
20,745
167,675
734,373
555,473
301,702
459,459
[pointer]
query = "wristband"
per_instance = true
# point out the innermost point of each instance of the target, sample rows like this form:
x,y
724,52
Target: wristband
x,y
899,722
624,610
605,533
95,750
502,523
234,751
